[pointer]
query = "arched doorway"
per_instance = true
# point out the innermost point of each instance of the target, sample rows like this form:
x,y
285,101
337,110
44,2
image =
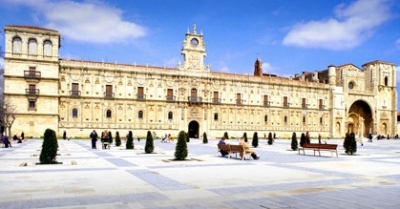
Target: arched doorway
x,y
193,129
359,119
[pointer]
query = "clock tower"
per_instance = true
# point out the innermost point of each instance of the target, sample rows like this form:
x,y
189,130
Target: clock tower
x,y
194,51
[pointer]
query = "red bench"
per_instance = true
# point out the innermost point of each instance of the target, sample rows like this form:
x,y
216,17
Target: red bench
x,y
319,147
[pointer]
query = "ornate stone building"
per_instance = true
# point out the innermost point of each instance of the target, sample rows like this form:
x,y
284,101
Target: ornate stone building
x,y
78,95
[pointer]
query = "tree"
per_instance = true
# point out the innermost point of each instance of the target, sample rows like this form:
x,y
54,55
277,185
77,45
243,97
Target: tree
x,y
110,136
254,142
7,115
245,136
181,151
350,143
302,139
226,135
205,140
117,139
187,137
149,147
294,143
270,139
129,141
49,148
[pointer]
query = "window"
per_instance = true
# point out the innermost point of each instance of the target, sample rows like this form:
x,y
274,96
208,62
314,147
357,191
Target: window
x,y
31,104
386,81
140,114
239,98
47,48
266,103
170,116
215,116
321,104
140,93
75,89
216,98
285,119
170,94
193,95
304,119
351,85
285,102
303,103
266,118
74,113
32,46
320,120
108,114
32,89
109,91
17,45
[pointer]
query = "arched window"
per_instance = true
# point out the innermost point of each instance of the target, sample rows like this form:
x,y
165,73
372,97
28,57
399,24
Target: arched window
x,y
74,113
140,114
215,116
170,115
266,118
285,119
320,120
386,81
32,46
304,119
108,114
17,45
47,48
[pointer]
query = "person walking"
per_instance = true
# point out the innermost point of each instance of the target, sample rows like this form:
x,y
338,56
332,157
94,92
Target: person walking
x,y
94,136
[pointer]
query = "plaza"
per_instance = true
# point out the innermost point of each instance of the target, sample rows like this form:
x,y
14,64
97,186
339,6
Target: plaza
x,y
120,178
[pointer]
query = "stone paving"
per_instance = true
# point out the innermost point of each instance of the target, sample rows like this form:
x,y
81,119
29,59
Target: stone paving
x,y
120,178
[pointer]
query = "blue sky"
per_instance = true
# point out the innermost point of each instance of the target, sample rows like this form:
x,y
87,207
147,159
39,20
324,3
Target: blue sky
x,y
290,36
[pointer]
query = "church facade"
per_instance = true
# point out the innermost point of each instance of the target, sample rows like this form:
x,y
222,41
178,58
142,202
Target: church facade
x,y
78,96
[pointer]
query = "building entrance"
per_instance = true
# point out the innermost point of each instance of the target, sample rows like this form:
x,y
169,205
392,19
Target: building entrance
x,y
193,129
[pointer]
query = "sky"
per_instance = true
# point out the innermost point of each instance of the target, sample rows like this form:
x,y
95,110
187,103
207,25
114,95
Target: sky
x,y
289,36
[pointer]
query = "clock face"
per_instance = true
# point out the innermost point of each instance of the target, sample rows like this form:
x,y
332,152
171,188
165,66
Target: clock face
x,y
194,42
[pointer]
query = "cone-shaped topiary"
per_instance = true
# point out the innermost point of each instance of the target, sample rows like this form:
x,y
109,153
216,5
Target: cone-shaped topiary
x,y
350,144
226,135
181,150
254,142
149,147
245,136
129,141
302,139
49,147
110,136
294,143
270,139
205,140
187,137
117,139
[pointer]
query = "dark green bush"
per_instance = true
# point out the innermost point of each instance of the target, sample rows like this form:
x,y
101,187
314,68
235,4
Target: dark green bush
x,y
181,151
129,141
149,147
187,137
49,147
117,139
270,139
226,135
245,136
350,143
302,139
294,143
254,142
110,136
205,140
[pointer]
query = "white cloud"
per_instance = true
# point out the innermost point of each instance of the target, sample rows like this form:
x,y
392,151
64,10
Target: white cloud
x,y
352,25
88,20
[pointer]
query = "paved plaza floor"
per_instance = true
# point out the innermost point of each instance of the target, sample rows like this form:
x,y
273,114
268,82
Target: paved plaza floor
x,y
120,178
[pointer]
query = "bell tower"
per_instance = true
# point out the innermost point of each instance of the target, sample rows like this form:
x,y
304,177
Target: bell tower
x,y
194,51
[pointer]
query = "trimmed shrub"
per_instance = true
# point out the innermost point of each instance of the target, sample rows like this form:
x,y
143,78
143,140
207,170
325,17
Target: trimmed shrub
x,y
117,139
181,151
205,140
302,139
254,142
49,147
149,147
110,136
350,143
129,141
245,136
294,143
270,139
226,135
187,137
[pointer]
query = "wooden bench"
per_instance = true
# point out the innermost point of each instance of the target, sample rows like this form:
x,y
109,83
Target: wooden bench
x,y
233,149
319,147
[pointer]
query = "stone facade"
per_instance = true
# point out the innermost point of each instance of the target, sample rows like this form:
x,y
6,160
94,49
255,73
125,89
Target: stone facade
x,y
78,96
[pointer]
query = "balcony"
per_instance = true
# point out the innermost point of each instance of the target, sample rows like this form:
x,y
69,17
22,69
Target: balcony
x,y
195,99
28,74
75,93
170,98
141,96
216,100
239,101
32,92
266,103
109,95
